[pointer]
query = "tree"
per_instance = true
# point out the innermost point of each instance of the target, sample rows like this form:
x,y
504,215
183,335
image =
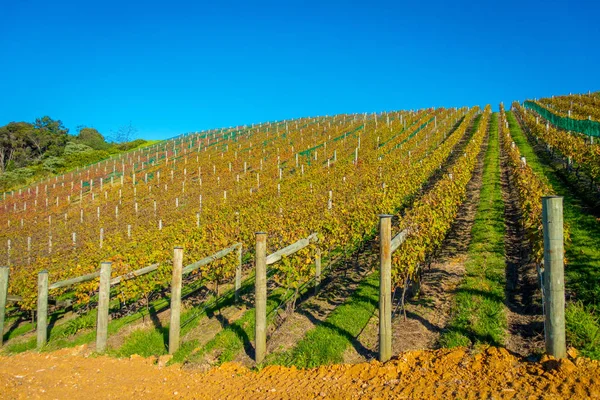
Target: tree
x,y
22,143
49,137
125,133
13,141
49,125
92,138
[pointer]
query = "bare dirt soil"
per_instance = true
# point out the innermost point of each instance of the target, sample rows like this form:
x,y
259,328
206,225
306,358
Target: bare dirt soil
x,y
492,373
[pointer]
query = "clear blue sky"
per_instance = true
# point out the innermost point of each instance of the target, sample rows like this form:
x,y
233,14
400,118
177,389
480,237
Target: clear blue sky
x,y
170,67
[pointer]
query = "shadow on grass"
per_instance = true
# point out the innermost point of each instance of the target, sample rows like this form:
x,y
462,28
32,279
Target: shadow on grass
x,y
19,326
348,336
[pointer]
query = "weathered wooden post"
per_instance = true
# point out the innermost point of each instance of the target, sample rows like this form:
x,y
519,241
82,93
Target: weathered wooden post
x,y
175,325
260,297
4,271
238,274
103,302
317,269
554,271
42,309
385,286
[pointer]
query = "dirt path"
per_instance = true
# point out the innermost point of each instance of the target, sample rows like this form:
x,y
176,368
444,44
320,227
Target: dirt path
x,y
493,373
525,318
428,313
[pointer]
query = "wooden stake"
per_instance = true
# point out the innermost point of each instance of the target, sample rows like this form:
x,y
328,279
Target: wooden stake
x,y
317,269
238,275
4,272
42,309
554,270
175,325
103,302
385,283
260,297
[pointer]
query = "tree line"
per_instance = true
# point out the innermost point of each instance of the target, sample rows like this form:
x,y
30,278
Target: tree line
x,y
32,151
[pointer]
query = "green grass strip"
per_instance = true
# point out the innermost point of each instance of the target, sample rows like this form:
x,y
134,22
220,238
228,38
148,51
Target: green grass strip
x,y
582,271
478,314
326,343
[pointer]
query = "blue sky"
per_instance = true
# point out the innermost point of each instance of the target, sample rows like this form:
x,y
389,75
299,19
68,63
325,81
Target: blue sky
x,y
171,67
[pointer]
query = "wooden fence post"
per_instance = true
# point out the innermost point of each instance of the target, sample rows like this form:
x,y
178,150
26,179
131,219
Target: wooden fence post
x,y
238,275
175,325
554,271
385,283
260,297
317,269
4,272
42,309
103,302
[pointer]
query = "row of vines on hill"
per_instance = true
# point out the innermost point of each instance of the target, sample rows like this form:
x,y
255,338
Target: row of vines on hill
x,y
530,188
578,106
431,217
574,148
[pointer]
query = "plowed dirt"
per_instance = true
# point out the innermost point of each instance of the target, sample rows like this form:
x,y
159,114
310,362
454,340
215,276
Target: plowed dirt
x,y
491,373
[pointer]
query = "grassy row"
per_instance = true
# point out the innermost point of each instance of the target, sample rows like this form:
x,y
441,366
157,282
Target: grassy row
x,y
478,313
582,272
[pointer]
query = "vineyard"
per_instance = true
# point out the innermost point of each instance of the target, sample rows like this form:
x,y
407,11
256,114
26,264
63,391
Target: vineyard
x,y
207,191
268,244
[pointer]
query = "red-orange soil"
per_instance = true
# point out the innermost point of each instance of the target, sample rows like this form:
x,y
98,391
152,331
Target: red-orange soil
x,y
491,373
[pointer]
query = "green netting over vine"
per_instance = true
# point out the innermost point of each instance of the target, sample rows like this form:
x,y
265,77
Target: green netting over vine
x,y
587,127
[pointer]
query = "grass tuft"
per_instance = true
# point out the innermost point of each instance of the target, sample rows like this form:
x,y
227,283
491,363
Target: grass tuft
x,y
584,329
144,343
